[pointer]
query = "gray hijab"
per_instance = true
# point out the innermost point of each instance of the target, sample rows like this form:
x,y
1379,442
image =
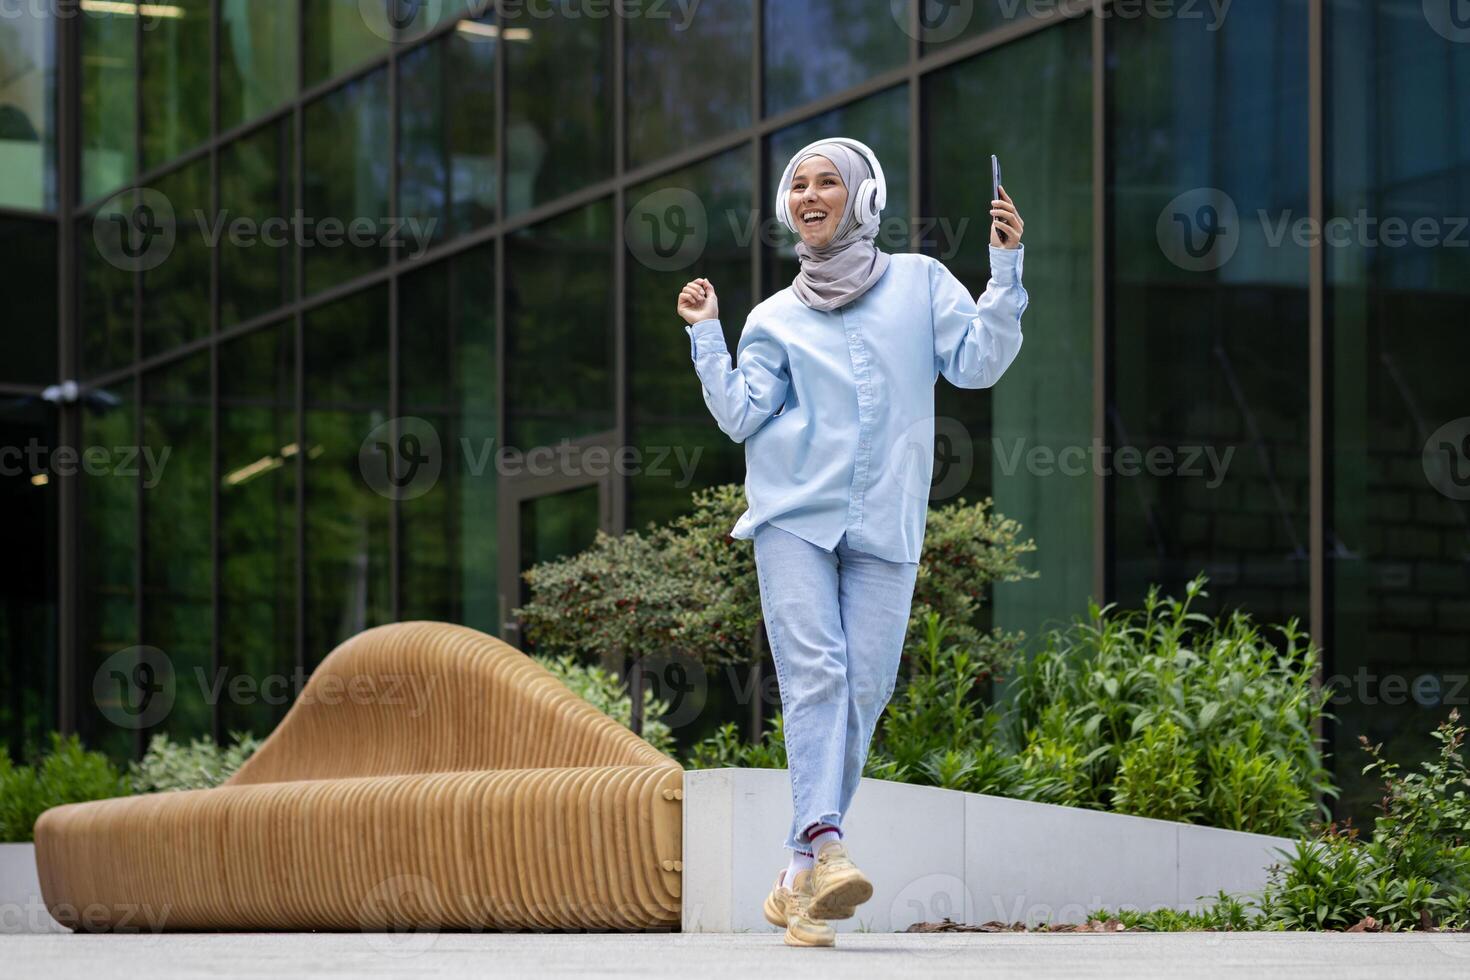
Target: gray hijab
x,y
837,273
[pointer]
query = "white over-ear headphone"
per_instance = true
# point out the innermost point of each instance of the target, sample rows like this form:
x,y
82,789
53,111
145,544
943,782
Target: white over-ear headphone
x,y
872,193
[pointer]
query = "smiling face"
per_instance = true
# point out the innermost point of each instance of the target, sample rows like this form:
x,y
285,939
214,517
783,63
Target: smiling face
x,y
817,198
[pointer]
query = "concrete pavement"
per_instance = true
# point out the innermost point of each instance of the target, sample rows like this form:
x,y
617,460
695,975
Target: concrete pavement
x,y
1127,956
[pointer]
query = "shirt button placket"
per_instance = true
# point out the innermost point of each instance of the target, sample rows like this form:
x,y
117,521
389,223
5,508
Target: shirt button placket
x,y
861,375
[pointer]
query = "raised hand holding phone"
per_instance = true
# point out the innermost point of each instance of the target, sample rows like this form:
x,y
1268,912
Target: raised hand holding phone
x,y
1006,226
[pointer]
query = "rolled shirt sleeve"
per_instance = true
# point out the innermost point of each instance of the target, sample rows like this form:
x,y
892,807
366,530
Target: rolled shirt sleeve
x,y
975,342
741,397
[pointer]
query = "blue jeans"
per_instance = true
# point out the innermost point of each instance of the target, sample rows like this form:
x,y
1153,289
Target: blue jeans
x,y
836,621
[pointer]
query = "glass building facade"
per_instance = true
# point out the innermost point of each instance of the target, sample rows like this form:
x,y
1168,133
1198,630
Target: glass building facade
x,y
268,241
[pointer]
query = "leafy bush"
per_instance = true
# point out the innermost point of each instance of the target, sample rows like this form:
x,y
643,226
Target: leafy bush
x,y
968,548
1159,776
607,693
690,586
1251,789
1413,874
620,595
1231,695
721,613
725,748
1163,713
1225,913
67,773
169,765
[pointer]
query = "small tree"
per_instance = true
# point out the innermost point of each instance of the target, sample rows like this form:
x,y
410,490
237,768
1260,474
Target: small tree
x,y
622,595
722,610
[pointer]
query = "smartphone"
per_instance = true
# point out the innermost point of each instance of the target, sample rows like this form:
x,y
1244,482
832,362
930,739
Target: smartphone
x,y
995,189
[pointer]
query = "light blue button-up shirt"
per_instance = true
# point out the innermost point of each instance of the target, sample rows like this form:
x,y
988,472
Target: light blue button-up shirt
x,y
836,408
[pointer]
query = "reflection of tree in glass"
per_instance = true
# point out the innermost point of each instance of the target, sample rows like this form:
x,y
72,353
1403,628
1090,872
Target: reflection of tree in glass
x,y
559,336
346,528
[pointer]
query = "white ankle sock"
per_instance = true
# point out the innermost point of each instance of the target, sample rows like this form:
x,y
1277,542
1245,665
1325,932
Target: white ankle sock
x,y
819,840
800,861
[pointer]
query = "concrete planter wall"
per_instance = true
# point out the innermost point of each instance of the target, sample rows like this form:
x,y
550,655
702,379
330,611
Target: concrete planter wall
x,y
934,852
21,908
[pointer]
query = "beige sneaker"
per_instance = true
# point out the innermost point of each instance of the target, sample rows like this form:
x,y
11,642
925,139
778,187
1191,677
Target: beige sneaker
x,y
788,908
838,886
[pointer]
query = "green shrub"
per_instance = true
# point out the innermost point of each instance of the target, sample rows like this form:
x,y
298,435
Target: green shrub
x,y
689,586
1219,682
967,548
721,612
725,748
1251,789
1225,913
620,596
168,765
66,773
935,708
1413,874
607,693
1159,776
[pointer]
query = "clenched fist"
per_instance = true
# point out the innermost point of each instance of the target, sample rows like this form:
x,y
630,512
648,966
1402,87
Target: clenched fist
x,y
697,302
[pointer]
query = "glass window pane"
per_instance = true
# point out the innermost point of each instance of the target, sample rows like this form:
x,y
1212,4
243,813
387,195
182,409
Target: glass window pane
x,y
556,144
346,527
688,77
176,291
28,256
28,109
178,567
559,327
28,583
1045,399
257,265
668,418
109,102
338,38
175,79
817,47
447,378
558,525
346,193
108,553
1399,467
108,300
257,58
944,22
882,123
257,522
1210,346
447,133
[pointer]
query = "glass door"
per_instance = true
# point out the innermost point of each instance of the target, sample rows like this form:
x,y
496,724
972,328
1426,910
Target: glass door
x,y
548,515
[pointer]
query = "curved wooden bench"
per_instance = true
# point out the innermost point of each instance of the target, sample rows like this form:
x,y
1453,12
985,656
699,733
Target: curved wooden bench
x,y
428,776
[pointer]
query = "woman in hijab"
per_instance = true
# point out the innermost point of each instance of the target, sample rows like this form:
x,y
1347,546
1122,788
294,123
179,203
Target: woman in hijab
x,y
832,393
